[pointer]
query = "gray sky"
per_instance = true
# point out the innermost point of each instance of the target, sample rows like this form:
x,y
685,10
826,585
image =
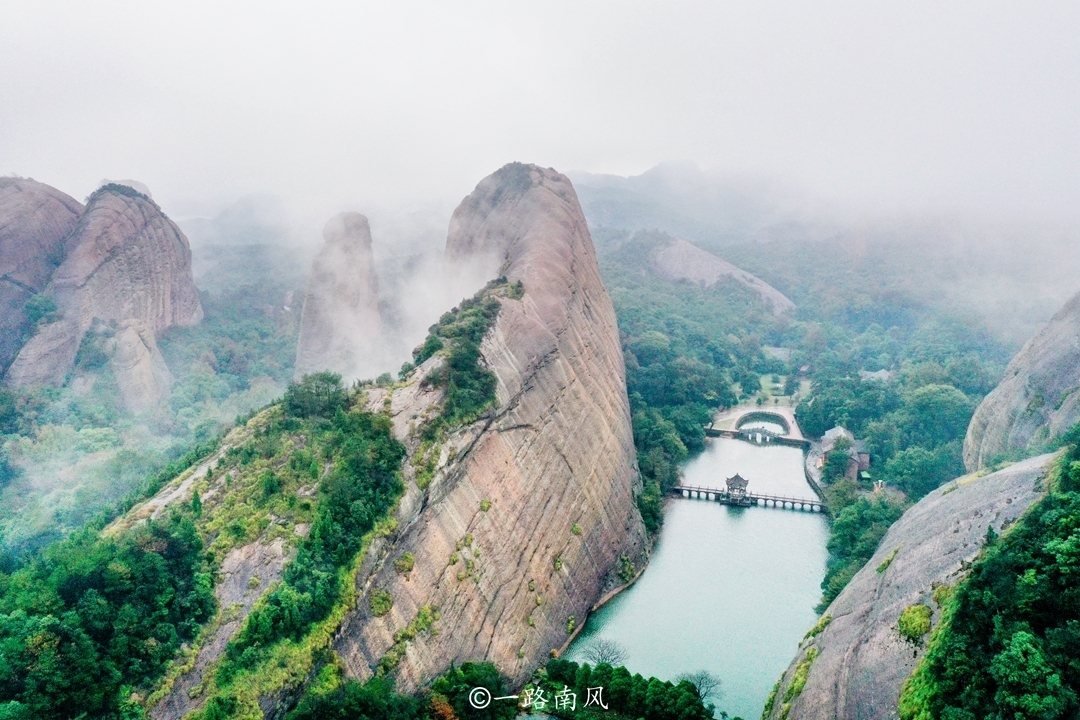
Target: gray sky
x,y
912,105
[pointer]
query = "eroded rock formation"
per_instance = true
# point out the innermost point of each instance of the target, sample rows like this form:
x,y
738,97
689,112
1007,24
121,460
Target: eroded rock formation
x,y
124,262
680,260
856,666
34,221
1038,399
340,329
140,370
530,510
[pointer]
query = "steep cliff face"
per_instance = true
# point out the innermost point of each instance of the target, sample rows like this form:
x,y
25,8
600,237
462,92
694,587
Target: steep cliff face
x,y
125,262
340,326
34,220
1039,397
680,260
854,668
530,509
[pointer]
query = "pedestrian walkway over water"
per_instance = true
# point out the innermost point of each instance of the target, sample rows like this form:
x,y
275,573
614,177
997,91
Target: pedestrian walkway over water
x,y
748,499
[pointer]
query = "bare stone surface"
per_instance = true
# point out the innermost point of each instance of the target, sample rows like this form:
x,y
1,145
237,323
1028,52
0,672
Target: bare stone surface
x,y
340,328
124,261
863,660
1038,399
141,373
556,452
246,574
34,221
682,261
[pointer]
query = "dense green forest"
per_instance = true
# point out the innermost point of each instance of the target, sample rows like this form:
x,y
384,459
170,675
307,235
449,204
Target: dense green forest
x,y
1008,643
627,697
691,350
98,615
94,621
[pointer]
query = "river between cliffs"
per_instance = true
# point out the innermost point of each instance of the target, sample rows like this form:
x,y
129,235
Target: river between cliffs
x,y
728,590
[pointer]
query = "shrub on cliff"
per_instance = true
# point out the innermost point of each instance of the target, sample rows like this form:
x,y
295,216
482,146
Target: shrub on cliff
x,y
319,394
363,486
470,386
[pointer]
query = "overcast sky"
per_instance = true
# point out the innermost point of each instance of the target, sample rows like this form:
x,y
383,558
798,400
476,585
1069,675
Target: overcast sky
x,y
969,106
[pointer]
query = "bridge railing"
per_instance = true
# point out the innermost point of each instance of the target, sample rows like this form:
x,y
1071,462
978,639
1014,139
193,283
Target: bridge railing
x,y
723,496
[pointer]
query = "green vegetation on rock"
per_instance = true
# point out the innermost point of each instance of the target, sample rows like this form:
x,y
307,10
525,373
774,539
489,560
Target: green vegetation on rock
x,y
819,627
798,681
1006,645
380,602
881,568
914,622
363,484
405,563
98,615
469,385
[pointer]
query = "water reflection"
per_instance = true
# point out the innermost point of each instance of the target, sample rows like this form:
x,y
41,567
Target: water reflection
x,y
772,470
764,425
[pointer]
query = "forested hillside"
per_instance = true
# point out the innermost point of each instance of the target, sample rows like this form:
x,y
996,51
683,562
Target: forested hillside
x,y
94,622
691,350
68,453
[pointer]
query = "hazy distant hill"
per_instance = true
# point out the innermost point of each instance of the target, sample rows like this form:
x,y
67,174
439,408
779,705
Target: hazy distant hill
x,y
680,199
1010,278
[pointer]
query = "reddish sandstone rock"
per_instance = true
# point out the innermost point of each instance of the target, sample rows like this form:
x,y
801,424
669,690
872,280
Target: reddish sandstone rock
x,y
556,452
34,221
125,261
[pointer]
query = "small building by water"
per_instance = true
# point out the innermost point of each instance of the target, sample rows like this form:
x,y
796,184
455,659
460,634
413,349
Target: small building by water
x,y
858,454
736,486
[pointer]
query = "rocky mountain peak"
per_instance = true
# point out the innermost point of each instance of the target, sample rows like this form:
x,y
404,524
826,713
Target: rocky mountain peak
x,y
340,327
543,485
1039,397
518,190
123,262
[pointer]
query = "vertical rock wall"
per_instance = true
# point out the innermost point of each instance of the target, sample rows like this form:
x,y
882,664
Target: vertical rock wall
x,y
340,329
1039,397
523,526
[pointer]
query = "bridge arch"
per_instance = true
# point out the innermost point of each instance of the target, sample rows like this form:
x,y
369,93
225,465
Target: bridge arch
x,y
764,415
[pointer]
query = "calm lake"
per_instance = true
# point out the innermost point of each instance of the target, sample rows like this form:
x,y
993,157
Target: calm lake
x,y
728,590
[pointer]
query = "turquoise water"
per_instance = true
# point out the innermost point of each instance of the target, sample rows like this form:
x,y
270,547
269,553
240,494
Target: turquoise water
x,y
728,590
